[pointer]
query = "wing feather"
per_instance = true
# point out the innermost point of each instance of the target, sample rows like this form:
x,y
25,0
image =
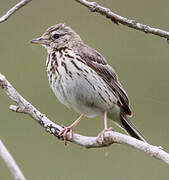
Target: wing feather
x,y
98,63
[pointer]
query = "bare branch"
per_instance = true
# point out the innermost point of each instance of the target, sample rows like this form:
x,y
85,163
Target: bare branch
x,y
10,162
14,9
95,7
23,106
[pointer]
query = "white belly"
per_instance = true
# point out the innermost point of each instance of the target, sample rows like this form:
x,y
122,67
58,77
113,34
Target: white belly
x,y
81,90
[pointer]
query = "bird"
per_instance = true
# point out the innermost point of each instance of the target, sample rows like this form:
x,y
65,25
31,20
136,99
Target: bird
x,y
81,79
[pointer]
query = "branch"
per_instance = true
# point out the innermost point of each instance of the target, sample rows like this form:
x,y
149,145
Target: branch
x,y
95,7
23,106
10,162
14,9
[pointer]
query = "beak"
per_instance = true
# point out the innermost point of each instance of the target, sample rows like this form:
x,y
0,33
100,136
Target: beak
x,y
39,40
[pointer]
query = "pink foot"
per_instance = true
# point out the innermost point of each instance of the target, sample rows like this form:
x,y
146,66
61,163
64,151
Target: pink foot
x,y
69,129
101,134
64,133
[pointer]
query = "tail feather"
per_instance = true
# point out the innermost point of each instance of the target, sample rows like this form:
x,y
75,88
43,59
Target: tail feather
x,y
131,129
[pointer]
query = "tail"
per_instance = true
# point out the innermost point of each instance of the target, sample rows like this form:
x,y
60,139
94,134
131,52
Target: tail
x,y
131,129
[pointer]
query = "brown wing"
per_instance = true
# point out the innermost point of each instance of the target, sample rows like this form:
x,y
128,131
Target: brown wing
x,y
98,63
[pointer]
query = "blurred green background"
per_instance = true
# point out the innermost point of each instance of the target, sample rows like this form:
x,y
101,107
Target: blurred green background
x,y
142,62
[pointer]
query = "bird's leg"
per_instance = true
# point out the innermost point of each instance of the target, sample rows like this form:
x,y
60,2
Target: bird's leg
x,y
101,134
69,129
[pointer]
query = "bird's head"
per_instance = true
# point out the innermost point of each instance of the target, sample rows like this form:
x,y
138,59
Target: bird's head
x,y
57,36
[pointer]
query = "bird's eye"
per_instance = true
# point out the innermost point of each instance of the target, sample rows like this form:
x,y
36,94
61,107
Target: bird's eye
x,y
56,36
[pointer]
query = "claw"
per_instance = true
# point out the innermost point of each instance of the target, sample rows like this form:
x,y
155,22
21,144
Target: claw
x,y
101,134
65,130
64,133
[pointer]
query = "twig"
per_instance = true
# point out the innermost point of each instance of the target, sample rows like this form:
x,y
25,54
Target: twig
x,y
14,9
10,162
95,7
23,106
